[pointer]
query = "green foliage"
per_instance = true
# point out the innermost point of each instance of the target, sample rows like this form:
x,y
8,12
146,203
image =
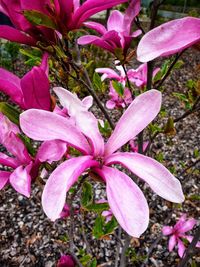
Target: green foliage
x,y
105,129
9,52
10,112
194,197
86,259
32,56
97,82
39,19
86,196
134,257
102,229
154,128
118,88
196,153
159,157
27,143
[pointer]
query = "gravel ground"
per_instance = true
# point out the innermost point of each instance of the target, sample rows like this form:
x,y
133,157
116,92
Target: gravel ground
x,y
28,238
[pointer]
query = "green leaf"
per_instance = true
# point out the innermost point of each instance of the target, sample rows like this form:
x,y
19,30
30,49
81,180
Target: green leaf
x,y
110,226
178,64
10,112
27,143
97,81
86,196
196,153
39,19
118,88
93,263
85,259
97,207
98,226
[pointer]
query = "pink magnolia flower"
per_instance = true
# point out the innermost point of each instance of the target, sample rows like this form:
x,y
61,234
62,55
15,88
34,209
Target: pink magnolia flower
x,y
32,91
118,33
177,233
109,73
139,76
66,261
20,162
169,38
125,199
106,213
118,101
65,16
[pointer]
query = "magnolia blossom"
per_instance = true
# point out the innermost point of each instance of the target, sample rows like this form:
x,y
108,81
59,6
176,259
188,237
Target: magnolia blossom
x,y
32,90
66,261
109,73
169,38
139,76
20,163
118,101
125,198
61,16
177,234
118,34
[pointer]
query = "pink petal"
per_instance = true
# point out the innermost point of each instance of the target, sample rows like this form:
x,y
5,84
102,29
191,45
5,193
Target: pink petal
x,y
36,89
8,161
190,238
70,101
20,179
139,114
60,181
126,201
14,35
4,178
108,73
95,26
92,39
169,38
43,125
87,101
167,230
51,151
181,248
10,85
161,181
116,21
85,121
110,104
6,128
172,242
131,12
91,7
44,64
17,148
187,226
88,125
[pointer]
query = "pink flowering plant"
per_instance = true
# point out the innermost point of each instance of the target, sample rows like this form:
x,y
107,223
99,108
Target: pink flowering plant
x,y
64,141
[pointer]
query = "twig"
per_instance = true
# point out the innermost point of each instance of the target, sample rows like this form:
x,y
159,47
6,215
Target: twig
x,y
194,109
160,83
190,249
190,166
88,249
124,249
138,24
96,98
118,237
156,241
